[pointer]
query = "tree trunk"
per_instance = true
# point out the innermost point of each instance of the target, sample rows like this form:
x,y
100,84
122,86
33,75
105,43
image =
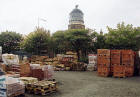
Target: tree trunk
x,y
78,54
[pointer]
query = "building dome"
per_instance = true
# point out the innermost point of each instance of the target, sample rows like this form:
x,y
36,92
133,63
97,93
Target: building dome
x,y
76,16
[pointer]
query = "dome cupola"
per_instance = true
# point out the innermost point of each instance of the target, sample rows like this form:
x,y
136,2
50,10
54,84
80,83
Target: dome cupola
x,y
76,16
76,19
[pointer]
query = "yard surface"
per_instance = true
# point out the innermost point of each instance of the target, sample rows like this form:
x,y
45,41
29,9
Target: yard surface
x,y
88,84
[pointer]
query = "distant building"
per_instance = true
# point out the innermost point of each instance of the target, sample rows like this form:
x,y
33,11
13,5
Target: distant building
x,y
76,20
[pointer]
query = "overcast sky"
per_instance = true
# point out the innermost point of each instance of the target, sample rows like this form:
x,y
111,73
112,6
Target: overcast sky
x,y
22,15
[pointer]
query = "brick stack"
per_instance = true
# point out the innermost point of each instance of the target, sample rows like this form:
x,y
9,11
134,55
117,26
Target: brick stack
x,y
16,68
115,61
35,59
42,72
119,63
128,62
25,69
103,62
11,87
39,73
126,66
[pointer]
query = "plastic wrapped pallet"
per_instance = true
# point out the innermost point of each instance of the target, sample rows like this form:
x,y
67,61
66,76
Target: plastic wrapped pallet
x,y
10,59
92,62
50,72
11,86
92,58
91,67
13,75
43,72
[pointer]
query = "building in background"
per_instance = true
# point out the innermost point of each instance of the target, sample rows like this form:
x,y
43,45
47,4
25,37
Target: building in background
x,y
76,20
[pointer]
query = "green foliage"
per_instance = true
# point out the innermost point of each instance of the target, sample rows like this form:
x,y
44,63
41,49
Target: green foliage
x,y
79,40
75,40
124,37
98,41
37,42
60,42
83,59
10,41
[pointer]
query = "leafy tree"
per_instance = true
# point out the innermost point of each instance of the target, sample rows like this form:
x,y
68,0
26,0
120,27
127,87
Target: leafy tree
x,y
99,42
124,37
60,42
37,42
79,40
10,41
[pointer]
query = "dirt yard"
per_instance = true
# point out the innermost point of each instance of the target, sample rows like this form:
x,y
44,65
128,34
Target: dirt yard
x,y
88,84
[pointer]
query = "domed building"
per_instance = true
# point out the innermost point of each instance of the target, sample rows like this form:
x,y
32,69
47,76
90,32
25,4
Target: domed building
x,y
76,20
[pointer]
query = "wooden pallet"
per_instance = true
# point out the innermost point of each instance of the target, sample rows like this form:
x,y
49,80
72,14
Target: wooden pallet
x,y
42,87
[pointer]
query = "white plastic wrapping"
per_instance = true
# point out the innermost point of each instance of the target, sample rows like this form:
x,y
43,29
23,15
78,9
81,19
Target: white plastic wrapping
x,y
10,59
92,62
35,66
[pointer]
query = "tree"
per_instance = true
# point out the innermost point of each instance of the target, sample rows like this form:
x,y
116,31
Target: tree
x,y
79,40
124,37
37,42
60,42
98,41
10,41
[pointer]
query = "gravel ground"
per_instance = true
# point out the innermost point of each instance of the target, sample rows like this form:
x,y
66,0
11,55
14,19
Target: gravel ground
x,y
88,84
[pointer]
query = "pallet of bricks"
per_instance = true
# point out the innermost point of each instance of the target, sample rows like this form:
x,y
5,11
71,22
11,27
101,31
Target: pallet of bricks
x,y
126,66
103,62
42,72
116,68
35,59
117,63
128,61
11,87
22,69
